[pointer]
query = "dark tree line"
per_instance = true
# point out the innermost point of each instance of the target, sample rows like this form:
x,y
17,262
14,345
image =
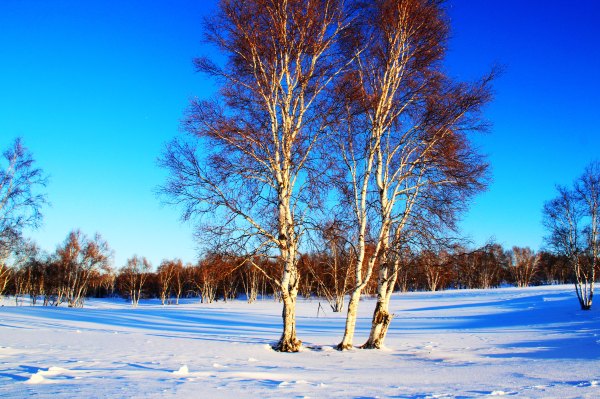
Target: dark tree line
x,y
80,268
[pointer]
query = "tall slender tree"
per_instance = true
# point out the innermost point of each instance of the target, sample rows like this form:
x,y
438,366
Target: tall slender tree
x,y
249,157
405,147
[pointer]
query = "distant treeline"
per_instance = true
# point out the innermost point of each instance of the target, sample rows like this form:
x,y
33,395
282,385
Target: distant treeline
x,y
79,269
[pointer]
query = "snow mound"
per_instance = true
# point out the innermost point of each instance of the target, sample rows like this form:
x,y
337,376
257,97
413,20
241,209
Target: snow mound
x,y
183,371
36,378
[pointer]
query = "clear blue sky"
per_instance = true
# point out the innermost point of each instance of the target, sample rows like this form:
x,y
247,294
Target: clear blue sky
x,y
96,88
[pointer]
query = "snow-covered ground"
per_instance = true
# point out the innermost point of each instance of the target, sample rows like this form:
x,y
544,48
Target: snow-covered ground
x,y
527,343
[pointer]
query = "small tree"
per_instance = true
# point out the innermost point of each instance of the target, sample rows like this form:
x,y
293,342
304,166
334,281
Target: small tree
x,y
251,279
132,278
21,201
332,267
523,265
75,263
172,278
24,255
6,273
29,271
555,269
104,281
490,263
573,222
206,276
165,274
435,268
179,280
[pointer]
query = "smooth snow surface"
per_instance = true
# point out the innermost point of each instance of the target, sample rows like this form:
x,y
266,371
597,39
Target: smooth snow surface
x,y
525,343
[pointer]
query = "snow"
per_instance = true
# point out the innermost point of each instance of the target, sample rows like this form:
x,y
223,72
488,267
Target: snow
x,y
523,343
183,371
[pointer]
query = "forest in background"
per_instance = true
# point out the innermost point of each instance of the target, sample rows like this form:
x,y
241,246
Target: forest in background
x,y
81,268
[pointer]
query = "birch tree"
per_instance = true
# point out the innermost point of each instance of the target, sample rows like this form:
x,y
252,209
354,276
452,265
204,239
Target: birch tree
x,y
331,267
406,152
21,199
166,274
587,193
523,265
206,283
179,280
434,266
29,265
76,261
133,276
573,222
248,160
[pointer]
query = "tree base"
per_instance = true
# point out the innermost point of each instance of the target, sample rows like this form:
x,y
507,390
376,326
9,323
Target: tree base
x,y
381,322
289,346
371,345
344,347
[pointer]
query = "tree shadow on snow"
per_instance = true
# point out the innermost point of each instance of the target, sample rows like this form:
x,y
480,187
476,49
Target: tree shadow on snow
x,y
558,313
578,347
555,314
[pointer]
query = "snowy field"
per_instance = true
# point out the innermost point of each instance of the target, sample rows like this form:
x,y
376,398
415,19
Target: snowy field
x,y
525,343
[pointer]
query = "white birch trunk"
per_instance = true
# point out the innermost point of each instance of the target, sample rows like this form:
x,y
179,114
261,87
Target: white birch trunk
x,y
350,320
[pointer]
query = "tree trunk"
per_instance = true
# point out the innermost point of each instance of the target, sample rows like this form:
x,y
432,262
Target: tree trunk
x,y
379,326
288,341
346,343
382,316
584,295
338,305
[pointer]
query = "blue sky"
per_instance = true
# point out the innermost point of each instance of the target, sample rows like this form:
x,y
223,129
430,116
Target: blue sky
x,y
96,88
545,109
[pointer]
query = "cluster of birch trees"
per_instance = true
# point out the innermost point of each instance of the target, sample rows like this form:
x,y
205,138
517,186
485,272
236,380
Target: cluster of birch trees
x,y
329,110
65,276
